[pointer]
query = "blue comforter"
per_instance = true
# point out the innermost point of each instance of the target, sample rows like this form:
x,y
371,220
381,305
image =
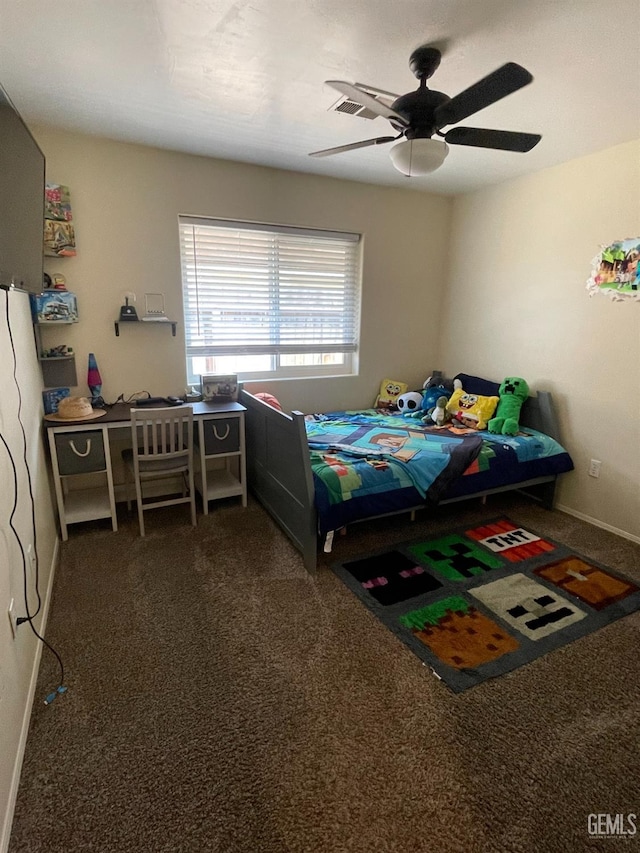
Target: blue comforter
x,y
357,453
368,462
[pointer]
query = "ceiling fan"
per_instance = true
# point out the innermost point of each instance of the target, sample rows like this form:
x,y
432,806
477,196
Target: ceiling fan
x,y
419,115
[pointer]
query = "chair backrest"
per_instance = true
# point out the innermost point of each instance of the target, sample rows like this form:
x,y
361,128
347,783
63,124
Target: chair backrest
x,y
162,435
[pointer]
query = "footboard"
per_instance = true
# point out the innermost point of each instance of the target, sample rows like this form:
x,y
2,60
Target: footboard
x,y
279,472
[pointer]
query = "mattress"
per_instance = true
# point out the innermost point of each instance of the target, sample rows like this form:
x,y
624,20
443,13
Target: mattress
x,y
368,463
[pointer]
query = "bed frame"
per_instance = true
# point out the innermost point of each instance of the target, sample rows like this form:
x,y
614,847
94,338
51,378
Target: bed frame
x,y
279,468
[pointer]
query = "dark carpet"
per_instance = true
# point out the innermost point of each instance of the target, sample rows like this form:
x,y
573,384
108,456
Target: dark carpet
x,y
476,602
221,699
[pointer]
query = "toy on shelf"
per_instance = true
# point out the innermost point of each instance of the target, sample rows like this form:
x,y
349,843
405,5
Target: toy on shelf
x,y
128,311
54,306
63,351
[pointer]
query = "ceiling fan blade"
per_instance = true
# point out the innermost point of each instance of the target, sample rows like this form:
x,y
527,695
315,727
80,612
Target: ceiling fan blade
x,y
377,93
505,140
374,105
500,83
380,140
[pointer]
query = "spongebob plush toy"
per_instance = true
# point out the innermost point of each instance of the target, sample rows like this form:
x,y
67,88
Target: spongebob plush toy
x,y
390,390
472,411
513,393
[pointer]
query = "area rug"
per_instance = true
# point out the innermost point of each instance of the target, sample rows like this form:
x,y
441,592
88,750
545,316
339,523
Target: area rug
x,y
478,602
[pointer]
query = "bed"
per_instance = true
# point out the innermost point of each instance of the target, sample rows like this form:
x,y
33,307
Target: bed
x,y
317,473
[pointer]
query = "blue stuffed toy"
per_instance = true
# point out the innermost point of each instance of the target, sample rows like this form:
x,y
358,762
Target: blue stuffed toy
x,y
437,391
423,406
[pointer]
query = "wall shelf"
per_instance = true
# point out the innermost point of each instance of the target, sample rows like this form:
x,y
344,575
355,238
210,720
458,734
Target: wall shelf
x,y
57,358
172,323
57,371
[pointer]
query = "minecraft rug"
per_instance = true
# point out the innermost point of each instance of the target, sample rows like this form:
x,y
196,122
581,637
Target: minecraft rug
x,y
478,602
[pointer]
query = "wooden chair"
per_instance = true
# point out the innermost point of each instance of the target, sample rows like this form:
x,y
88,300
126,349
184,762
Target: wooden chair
x,y
162,446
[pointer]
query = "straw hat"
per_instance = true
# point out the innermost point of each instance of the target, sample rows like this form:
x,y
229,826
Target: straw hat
x,y
75,409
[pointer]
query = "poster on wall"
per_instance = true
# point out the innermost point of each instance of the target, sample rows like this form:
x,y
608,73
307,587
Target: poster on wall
x,y
59,234
616,271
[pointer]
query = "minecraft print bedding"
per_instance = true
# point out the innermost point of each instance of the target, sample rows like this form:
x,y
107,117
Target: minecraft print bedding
x,y
367,463
282,477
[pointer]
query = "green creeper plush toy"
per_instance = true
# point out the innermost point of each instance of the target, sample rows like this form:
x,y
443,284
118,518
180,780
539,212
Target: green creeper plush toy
x,y
513,392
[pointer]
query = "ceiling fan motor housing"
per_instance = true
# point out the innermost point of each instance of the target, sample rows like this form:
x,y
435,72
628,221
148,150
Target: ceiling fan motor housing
x,y
418,109
424,61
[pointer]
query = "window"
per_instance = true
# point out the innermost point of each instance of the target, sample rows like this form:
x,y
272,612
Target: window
x,y
262,300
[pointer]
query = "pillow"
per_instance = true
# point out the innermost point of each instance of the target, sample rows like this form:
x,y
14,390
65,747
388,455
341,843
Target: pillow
x,y
269,399
390,390
471,410
478,385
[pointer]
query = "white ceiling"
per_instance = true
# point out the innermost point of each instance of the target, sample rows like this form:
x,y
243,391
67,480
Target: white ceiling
x,y
244,79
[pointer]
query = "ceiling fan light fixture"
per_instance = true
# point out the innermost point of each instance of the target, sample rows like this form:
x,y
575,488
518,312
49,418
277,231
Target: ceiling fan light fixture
x,y
416,157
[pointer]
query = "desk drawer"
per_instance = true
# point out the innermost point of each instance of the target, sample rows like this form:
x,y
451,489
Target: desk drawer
x,y
80,452
221,435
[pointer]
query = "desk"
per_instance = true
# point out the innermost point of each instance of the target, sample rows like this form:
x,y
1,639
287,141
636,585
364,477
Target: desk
x,y
84,447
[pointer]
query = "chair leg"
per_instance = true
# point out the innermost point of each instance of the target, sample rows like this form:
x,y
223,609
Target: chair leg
x,y
127,486
192,495
140,509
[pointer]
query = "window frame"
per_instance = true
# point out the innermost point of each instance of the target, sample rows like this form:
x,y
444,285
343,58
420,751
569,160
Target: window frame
x,y
274,350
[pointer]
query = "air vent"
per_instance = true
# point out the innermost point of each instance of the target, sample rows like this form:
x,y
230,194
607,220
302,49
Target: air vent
x,y
347,105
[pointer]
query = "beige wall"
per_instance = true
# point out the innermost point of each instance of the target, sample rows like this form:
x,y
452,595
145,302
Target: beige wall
x,y
126,200
498,289
516,304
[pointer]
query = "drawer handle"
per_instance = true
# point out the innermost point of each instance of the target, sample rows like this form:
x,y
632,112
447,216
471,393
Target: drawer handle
x,y
221,437
77,452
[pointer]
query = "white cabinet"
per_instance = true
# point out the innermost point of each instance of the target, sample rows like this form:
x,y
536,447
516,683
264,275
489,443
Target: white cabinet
x,y
77,452
220,456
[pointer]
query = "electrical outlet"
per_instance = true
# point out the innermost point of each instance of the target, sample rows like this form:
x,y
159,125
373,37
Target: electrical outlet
x,y
13,618
31,555
594,468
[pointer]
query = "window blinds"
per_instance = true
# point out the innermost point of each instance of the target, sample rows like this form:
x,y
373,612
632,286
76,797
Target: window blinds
x,y
251,289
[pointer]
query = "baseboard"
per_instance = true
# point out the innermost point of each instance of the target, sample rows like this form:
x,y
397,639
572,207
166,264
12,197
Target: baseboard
x,y
597,523
15,781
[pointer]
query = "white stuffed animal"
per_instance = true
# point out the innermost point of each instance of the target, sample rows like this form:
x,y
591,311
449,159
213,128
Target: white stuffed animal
x,y
409,403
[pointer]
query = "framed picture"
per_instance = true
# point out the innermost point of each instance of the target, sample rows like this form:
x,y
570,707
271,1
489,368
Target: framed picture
x,y
219,389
